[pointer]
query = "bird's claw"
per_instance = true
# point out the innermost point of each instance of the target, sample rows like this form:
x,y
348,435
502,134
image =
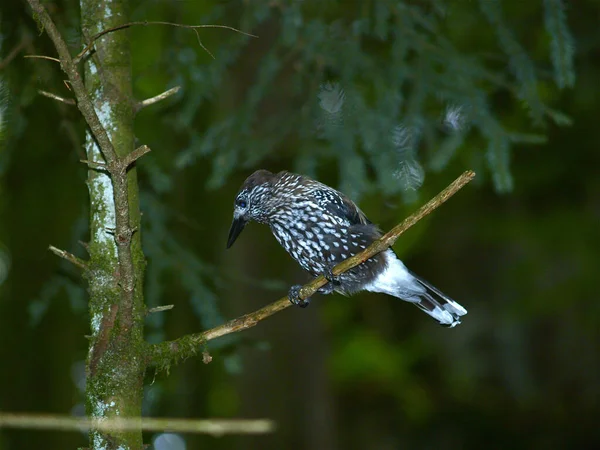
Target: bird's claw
x,y
331,277
294,297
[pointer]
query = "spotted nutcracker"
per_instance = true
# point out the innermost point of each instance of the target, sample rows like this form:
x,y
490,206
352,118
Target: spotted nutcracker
x,y
320,227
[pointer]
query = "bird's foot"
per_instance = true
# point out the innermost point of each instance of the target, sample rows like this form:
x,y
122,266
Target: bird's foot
x,y
334,280
294,296
329,276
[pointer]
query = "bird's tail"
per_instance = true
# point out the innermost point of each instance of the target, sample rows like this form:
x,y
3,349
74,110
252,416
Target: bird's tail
x,y
398,281
438,305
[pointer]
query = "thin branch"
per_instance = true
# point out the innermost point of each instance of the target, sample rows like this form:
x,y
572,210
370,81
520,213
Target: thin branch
x,y
160,309
164,353
202,45
84,103
68,256
215,427
68,101
43,57
95,37
133,156
94,164
152,100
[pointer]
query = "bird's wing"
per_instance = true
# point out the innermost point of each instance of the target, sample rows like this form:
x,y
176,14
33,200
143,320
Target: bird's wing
x,y
339,205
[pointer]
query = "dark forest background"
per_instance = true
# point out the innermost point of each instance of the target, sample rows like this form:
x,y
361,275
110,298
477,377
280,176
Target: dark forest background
x,y
388,101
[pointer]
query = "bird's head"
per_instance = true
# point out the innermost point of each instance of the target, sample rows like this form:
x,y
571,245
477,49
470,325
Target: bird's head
x,y
250,202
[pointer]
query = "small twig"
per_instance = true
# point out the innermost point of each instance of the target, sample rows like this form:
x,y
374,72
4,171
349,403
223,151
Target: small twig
x,y
94,164
152,100
202,45
215,427
160,308
68,256
186,346
95,37
68,101
43,57
132,157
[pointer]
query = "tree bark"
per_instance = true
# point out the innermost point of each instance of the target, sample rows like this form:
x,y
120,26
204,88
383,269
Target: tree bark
x,y
115,364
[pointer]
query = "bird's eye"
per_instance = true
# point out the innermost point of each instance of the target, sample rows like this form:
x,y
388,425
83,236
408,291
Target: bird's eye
x,y
241,203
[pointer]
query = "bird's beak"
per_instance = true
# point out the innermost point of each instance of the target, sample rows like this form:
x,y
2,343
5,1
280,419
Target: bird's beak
x,y
236,228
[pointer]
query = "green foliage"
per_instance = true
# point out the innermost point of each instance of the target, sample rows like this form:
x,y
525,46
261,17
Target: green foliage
x,y
562,43
520,63
351,85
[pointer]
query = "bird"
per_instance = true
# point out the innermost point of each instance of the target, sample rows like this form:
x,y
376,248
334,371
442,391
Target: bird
x,y
321,227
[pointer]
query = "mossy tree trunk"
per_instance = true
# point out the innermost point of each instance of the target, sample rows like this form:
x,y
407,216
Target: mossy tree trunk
x,y
116,362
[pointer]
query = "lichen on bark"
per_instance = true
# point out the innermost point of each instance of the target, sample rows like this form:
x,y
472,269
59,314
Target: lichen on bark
x,y
116,362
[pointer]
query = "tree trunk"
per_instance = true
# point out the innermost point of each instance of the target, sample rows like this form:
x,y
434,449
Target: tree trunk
x,y
116,363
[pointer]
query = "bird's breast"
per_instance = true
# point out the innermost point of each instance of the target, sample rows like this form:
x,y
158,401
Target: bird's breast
x,y
319,244
301,241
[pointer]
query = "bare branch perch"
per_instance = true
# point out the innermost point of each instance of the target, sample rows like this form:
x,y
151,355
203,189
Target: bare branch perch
x,y
68,101
95,37
166,352
215,427
156,99
68,256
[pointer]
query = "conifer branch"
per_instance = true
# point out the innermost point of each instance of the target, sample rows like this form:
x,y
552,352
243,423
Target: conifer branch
x,y
562,42
164,354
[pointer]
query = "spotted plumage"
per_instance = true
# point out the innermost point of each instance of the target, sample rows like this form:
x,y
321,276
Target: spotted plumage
x,y
320,227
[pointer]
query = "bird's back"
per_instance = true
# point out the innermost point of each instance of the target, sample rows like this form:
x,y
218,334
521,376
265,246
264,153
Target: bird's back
x,y
320,227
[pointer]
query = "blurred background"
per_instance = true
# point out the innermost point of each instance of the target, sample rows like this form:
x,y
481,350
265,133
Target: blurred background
x,y
388,101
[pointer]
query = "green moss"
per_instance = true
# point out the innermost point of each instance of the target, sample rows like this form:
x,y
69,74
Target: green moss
x,y
161,355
